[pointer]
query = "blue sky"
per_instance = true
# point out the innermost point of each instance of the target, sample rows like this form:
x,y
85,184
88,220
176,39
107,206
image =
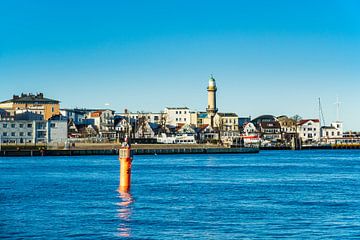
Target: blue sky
x,y
268,57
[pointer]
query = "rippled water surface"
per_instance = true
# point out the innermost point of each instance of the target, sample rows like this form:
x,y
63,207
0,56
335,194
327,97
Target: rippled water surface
x,y
274,194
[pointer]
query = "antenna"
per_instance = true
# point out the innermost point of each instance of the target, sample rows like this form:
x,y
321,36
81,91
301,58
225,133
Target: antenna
x,y
337,103
321,114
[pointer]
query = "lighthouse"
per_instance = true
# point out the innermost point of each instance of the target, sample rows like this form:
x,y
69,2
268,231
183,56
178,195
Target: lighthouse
x,y
211,108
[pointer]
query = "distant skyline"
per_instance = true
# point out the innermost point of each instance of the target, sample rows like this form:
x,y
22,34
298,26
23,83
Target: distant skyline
x,y
268,57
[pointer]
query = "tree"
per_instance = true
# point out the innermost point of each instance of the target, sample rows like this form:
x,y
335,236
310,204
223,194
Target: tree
x,y
296,118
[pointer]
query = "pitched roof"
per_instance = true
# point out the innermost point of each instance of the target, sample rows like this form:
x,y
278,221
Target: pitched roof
x,y
176,108
270,125
96,114
302,122
228,115
202,115
31,98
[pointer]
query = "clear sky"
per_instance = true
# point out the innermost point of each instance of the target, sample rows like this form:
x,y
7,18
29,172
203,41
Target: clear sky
x,y
268,57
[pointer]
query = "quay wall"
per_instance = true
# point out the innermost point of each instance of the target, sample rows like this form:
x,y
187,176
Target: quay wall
x,y
136,151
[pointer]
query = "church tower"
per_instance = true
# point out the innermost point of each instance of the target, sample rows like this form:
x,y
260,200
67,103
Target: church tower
x,y
211,108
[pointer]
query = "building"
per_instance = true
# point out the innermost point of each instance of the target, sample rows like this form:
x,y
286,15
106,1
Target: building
x,y
177,115
288,129
329,134
34,103
77,116
211,106
270,132
33,131
309,130
250,129
226,122
157,118
103,120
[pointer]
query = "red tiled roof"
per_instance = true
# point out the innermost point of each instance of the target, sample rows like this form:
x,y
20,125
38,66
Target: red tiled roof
x,y
96,114
302,122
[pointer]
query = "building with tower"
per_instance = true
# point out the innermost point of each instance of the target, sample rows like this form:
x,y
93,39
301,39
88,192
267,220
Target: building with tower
x,y
211,107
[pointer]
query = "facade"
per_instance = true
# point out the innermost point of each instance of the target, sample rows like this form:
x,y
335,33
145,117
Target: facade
x,y
309,130
270,131
250,129
226,122
33,103
157,118
177,115
288,129
77,116
33,131
329,134
103,120
147,130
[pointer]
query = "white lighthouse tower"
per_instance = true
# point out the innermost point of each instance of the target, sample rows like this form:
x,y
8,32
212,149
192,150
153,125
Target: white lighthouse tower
x,y
211,108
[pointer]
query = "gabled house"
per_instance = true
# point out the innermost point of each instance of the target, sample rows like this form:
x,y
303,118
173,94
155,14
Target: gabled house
x,y
147,130
309,130
249,129
270,131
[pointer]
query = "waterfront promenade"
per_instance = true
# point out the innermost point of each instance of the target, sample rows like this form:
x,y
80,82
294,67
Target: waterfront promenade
x,y
112,149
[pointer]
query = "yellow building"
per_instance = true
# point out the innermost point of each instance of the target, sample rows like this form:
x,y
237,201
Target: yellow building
x,y
32,103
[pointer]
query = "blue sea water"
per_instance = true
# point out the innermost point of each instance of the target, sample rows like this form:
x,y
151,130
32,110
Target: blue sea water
x,y
274,194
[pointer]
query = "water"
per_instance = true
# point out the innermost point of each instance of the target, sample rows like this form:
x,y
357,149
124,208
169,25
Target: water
x,y
274,194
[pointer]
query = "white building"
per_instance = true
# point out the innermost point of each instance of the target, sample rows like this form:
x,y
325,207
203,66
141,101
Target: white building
x,y
250,129
148,116
329,134
177,115
309,130
104,121
33,131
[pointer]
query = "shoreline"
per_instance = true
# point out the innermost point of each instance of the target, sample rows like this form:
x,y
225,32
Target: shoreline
x,y
146,149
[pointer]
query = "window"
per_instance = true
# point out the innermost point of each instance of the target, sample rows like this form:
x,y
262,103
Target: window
x,y
21,134
176,119
21,125
29,125
13,125
52,125
13,134
184,112
177,112
52,109
29,134
4,134
5,125
184,119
